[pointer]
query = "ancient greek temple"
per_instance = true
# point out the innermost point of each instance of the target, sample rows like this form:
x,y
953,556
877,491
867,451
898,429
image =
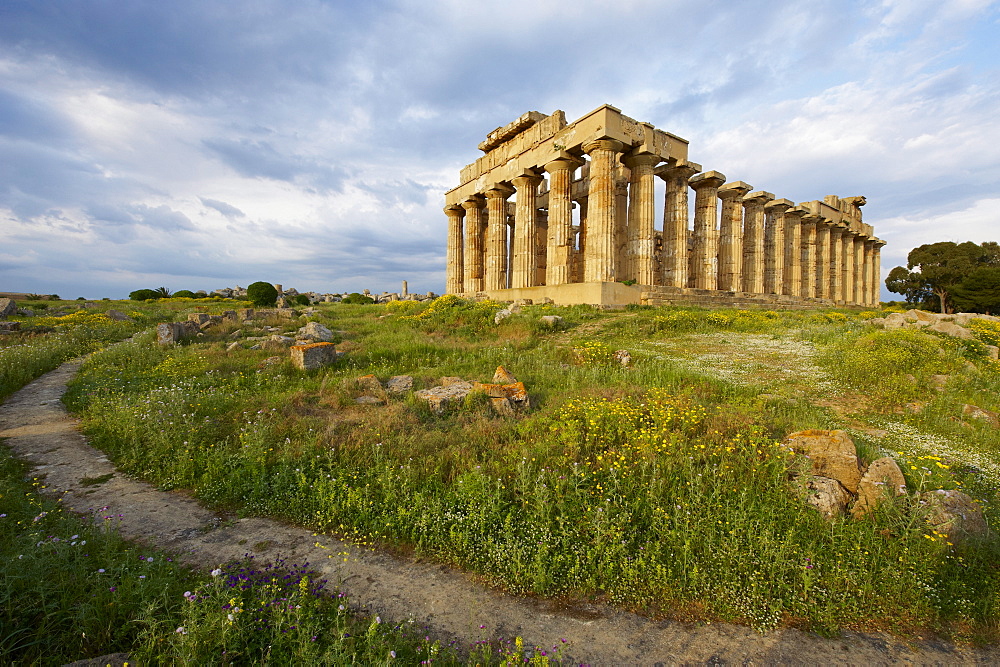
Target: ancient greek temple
x,y
567,213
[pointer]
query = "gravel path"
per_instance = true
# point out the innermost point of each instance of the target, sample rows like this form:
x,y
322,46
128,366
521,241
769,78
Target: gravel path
x,y
450,603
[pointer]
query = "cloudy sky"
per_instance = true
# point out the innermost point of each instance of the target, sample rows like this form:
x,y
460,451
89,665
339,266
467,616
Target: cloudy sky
x,y
198,144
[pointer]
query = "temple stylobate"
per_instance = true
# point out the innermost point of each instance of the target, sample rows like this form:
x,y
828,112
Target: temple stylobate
x,y
568,213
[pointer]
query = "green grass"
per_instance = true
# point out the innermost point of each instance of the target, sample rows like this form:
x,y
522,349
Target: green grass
x,y
658,487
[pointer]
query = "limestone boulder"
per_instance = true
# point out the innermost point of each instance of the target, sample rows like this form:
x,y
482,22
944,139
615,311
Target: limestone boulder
x,y
982,414
826,495
921,317
951,329
7,308
316,332
438,398
118,316
501,315
9,327
882,480
369,385
953,513
399,384
551,320
503,376
831,453
312,356
894,321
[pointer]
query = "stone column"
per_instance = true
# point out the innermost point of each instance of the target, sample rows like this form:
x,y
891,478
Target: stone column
x,y
793,251
848,266
731,236
876,295
809,222
496,236
641,218
706,234
823,259
859,270
525,230
675,221
454,268
473,255
774,245
837,262
869,275
600,251
753,241
560,238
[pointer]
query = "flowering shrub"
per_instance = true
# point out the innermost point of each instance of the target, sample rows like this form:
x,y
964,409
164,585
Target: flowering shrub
x,y
987,331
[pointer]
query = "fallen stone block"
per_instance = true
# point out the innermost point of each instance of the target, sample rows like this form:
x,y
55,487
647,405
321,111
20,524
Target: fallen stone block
x,y
8,327
503,376
200,318
551,320
168,333
7,308
981,414
118,316
832,454
882,480
316,332
370,386
399,384
827,495
313,356
438,398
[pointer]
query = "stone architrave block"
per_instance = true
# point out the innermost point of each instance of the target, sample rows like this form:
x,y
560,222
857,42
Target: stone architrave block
x,y
246,313
313,356
882,479
7,308
399,384
439,397
832,454
200,318
168,333
189,328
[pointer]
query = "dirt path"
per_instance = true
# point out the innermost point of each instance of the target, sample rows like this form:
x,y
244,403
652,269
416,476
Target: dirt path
x,y
448,602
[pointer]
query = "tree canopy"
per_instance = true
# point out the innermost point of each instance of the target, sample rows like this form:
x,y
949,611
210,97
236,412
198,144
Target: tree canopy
x,y
948,274
262,294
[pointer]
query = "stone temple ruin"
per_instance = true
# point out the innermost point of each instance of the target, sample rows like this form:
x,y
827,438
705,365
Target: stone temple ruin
x,y
583,226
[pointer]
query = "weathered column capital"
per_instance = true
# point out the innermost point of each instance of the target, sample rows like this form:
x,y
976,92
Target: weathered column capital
x,y
778,205
603,144
499,191
476,201
734,190
758,198
563,164
707,179
633,160
812,219
526,180
454,210
681,169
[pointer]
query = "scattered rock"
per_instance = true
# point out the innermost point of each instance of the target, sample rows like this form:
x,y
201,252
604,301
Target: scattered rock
x,y
199,318
399,384
232,347
883,478
623,357
168,333
313,356
826,495
270,361
284,340
551,320
982,414
316,332
503,407
503,376
993,351
832,454
502,315
369,400
951,329
118,316
7,308
939,381
915,408
439,397
953,513
369,386
451,379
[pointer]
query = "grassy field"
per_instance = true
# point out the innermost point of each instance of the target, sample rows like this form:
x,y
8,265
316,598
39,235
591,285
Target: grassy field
x,y
659,487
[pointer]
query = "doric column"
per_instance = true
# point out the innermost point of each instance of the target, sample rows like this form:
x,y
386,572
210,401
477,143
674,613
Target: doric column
x,y
848,266
641,218
599,254
859,270
774,245
496,236
731,236
753,241
793,251
454,268
675,221
876,294
809,222
475,226
560,238
823,259
869,273
706,234
525,230
837,262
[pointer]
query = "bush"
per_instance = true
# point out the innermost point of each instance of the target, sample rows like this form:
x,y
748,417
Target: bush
x,y
262,294
354,297
185,293
144,295
300,300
